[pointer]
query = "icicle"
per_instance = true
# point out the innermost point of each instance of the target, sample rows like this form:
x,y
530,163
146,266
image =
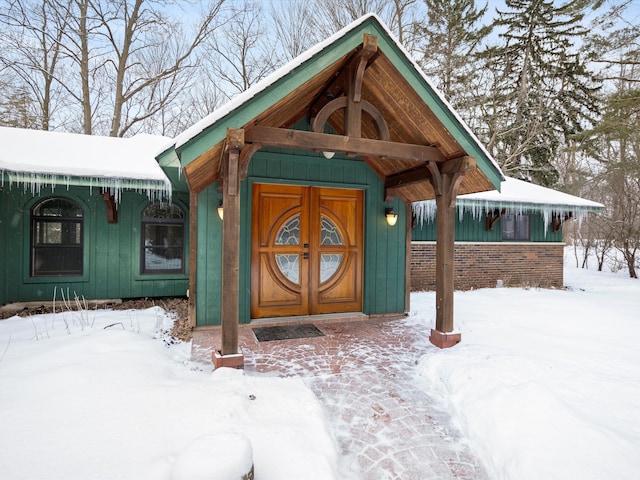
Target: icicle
x,y
34,182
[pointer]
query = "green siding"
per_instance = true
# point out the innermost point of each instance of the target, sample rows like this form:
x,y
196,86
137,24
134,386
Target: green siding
x,y
384,248
209,253
473,230
111,251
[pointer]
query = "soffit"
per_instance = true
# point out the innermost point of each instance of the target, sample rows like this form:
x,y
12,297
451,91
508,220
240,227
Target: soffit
x,y
409,118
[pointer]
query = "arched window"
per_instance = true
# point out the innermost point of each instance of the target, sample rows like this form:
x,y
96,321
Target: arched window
x,y
162,249
56,238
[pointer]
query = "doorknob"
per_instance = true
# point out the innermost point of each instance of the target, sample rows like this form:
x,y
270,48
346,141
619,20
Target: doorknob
x,y
306,255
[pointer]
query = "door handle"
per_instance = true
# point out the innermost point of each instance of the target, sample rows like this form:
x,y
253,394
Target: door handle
x,y
306,245
305,255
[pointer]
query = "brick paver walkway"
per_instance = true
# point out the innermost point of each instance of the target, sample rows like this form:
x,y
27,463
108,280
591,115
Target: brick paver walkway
x,y
361,372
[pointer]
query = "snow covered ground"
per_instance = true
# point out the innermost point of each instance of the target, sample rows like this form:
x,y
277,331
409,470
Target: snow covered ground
x,y
545,385
123,402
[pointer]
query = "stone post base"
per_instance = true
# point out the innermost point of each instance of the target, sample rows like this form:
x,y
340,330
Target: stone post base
x,y
232,361
444,340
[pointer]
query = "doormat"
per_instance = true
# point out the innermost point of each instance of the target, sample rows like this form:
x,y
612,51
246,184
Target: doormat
x,y
289,332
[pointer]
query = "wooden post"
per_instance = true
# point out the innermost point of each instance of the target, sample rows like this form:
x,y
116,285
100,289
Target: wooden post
x,y
445,242
231,243
446,185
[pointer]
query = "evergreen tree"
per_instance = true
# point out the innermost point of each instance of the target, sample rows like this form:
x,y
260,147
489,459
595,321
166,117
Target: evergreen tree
x,y
18,110
452,35
542,92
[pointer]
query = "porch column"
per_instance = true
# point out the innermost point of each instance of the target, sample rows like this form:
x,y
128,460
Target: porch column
x,y
446,183
231,243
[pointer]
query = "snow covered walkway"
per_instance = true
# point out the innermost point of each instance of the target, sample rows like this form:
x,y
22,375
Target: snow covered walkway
x,y
362,373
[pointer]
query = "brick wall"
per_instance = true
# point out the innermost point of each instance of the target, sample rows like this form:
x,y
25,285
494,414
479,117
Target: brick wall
x,y
480,265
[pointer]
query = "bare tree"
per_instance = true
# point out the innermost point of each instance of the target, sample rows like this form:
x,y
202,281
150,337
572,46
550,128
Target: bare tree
x,y
31,35
131,58
241,56
147,57
332,15
292,24
614,141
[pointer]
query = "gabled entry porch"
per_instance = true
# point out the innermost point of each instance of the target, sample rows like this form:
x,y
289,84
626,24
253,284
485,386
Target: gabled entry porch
x,y
362,104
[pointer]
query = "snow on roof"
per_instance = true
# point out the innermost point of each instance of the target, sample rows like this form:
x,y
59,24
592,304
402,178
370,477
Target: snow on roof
x,y
516,196
281,72
36,157
516,192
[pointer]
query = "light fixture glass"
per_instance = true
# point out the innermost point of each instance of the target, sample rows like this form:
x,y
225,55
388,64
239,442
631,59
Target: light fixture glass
x,y
220,210
391,216
328,155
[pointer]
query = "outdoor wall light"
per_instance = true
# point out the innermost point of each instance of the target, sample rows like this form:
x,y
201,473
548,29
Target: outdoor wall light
x,y
391,216
220,210
328,155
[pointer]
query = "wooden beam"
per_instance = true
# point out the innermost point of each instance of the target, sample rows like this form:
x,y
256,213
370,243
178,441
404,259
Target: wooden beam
x,y
369,49
445,244
407,177
337,85
324,142
355,76
245,158
110,202
231,242
451,176
318,123
429,171
492,218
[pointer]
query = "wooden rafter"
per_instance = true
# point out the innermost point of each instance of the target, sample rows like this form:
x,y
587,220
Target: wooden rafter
x,y
110,202
558,220
338,83
492,218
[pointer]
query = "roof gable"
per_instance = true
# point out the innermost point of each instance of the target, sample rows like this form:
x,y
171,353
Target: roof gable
x,y
415,112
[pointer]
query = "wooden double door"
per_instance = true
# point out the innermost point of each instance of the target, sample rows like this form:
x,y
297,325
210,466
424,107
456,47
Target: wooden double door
x,y
307,250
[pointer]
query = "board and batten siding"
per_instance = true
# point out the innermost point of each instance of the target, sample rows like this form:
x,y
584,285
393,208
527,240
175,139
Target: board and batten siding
x,y
471,229
384,246
111,266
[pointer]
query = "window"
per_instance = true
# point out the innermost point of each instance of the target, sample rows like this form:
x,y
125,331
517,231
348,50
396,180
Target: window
x,y
162,238
515,227
56,238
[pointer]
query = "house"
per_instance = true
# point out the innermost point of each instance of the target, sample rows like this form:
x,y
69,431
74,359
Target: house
x,y
294,202
507,237
87,216
305,166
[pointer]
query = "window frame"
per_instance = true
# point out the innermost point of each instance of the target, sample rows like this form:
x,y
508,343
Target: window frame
x,y
518,219
34,247
166,221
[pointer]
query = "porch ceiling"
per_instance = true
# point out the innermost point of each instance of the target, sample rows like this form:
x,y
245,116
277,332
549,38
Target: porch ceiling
x,y
409,118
